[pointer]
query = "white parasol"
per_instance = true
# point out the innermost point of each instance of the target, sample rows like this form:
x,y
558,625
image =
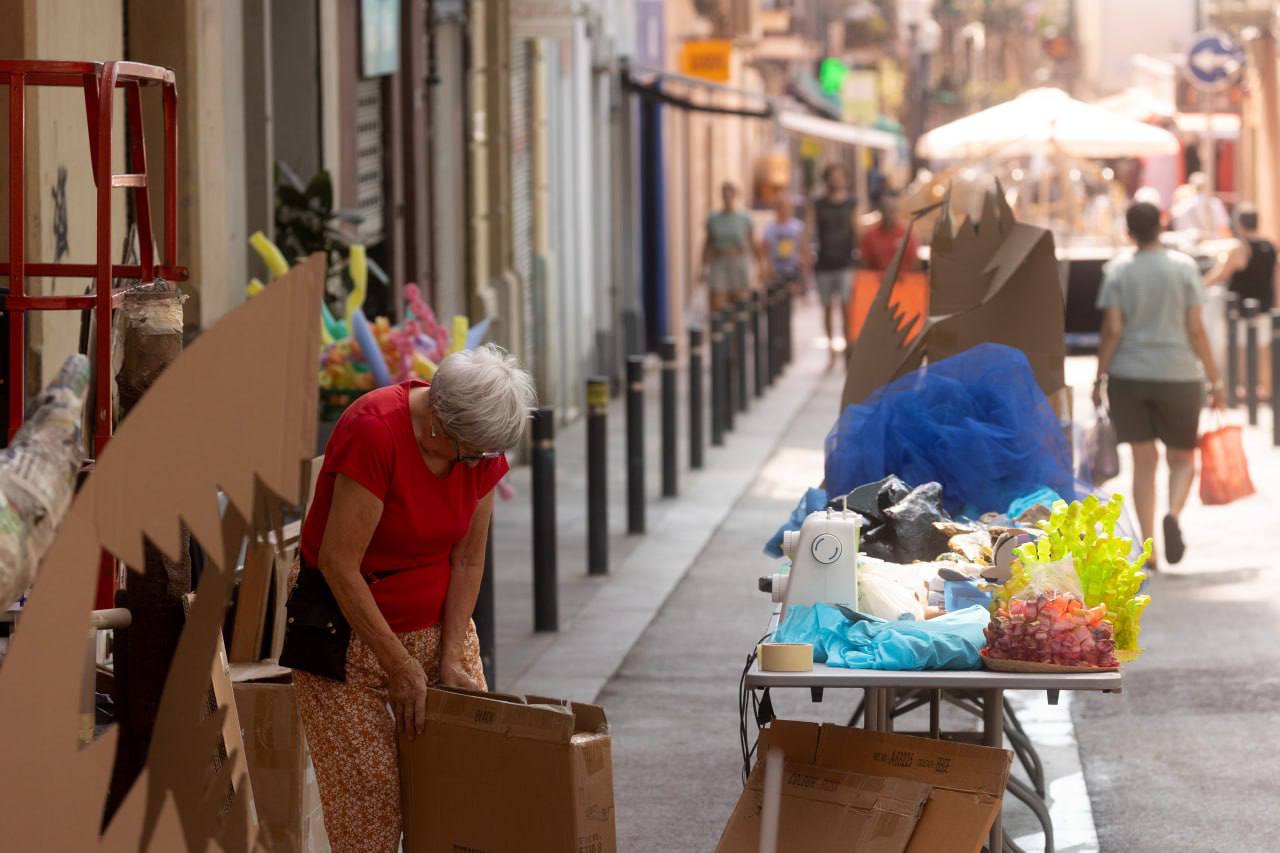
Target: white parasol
x,y
1045,121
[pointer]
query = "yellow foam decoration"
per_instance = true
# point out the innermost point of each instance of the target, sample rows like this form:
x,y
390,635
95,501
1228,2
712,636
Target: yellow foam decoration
x,y
458,337
423,367
325,337
254,287
358,267
270,254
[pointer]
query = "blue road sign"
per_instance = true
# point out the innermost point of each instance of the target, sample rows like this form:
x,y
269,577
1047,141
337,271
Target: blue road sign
x,y
1214,61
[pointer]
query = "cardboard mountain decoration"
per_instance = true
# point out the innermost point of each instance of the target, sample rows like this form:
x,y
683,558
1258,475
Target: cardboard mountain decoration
x,y
993,281
236,413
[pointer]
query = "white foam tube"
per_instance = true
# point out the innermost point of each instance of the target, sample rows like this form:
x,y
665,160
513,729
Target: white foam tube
x,y
771,807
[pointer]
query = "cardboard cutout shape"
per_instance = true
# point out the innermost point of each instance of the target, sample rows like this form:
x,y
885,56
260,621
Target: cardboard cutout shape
x,y
235,412
994,280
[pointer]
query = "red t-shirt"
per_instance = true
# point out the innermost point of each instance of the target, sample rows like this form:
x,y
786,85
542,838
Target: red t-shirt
x,y
879,244
423,516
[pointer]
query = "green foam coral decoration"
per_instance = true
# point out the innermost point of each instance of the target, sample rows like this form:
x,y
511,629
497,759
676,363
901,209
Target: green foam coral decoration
x,y
1086,530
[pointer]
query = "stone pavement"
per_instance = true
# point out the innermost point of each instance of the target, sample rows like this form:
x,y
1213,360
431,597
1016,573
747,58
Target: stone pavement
x,y
601,617
1180,760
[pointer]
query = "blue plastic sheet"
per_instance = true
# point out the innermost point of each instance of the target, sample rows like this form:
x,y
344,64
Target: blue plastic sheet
x,y
951,641
812,501
976,422
1044,497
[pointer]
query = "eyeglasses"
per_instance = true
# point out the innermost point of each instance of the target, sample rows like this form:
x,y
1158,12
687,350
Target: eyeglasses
x,y
473,458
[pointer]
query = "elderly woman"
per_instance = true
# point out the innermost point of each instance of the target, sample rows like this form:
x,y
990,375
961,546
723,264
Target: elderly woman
x,y
393,546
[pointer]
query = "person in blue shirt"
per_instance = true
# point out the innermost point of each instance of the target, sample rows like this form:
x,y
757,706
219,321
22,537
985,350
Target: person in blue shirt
x,y
786,243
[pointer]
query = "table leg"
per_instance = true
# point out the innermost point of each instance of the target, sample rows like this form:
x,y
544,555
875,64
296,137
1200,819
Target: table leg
x,y
935,714
870,705
993,735
886,709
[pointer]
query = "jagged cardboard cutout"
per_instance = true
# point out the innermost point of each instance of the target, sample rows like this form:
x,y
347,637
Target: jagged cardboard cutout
x,y
993,281
235,412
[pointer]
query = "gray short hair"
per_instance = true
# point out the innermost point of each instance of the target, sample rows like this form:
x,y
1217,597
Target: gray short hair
x,y
482,397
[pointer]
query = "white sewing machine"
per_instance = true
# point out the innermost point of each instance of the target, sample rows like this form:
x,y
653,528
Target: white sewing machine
x,y
824,561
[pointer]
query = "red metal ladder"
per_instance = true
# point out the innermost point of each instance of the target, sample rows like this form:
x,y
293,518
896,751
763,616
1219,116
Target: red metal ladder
x,y
99,81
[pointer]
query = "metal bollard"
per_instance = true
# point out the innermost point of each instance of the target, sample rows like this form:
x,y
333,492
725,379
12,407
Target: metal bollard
x,y
740,317
789,352
761,372
1275,376
775,333
670,452
695,397
635,444
717,382
597,476
1251,308
545,609
731,366
1233,348
483,615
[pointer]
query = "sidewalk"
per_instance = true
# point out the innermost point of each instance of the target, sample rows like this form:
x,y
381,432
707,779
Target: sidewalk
x,y
602,617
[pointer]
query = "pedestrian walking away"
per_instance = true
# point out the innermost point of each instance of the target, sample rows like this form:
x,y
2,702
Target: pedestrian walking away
x,y
1248,270
1153,360
727,250
833,222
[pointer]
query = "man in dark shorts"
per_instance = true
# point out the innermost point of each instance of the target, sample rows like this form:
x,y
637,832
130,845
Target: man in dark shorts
x,y
833,224
1153,359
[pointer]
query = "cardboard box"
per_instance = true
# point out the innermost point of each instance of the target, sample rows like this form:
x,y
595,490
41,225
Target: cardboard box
x,y
828,809
284,781
494,773
967,781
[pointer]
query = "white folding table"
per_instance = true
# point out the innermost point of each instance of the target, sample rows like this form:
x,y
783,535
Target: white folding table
x,y
880,685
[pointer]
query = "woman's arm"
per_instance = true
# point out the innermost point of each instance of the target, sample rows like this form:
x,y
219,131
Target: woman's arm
x,y
467,564
1200,344
1112,329
353,516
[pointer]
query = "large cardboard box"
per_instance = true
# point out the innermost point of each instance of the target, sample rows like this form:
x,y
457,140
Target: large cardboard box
x,y
827,809
284,781
967,781
494,773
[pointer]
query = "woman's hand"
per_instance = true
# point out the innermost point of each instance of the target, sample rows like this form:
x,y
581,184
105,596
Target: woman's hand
x,y
407,693
1218,396
453,673
1097,394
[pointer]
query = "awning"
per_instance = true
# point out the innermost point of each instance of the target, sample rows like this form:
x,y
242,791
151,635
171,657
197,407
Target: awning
x,y
836,131
1225,125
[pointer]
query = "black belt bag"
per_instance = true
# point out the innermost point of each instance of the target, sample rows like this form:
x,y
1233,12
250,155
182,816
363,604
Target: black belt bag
x,y
316,634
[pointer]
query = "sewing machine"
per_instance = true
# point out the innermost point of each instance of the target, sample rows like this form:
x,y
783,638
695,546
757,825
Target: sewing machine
x,y
824,561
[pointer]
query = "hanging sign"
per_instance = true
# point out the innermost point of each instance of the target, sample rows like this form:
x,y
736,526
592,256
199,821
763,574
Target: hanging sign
x,y
707,59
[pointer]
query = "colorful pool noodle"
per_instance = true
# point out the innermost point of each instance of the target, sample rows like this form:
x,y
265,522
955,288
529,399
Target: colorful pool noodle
x,y
270,254
423,367
358,268
427,317
459,338
254,287
336,328
477,333
369,350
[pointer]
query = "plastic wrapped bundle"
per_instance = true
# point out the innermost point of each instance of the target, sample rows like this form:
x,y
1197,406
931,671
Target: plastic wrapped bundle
x,y
38,476
977,423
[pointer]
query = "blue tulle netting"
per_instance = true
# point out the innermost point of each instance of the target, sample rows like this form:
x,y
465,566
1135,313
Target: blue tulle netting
x,y
976,422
